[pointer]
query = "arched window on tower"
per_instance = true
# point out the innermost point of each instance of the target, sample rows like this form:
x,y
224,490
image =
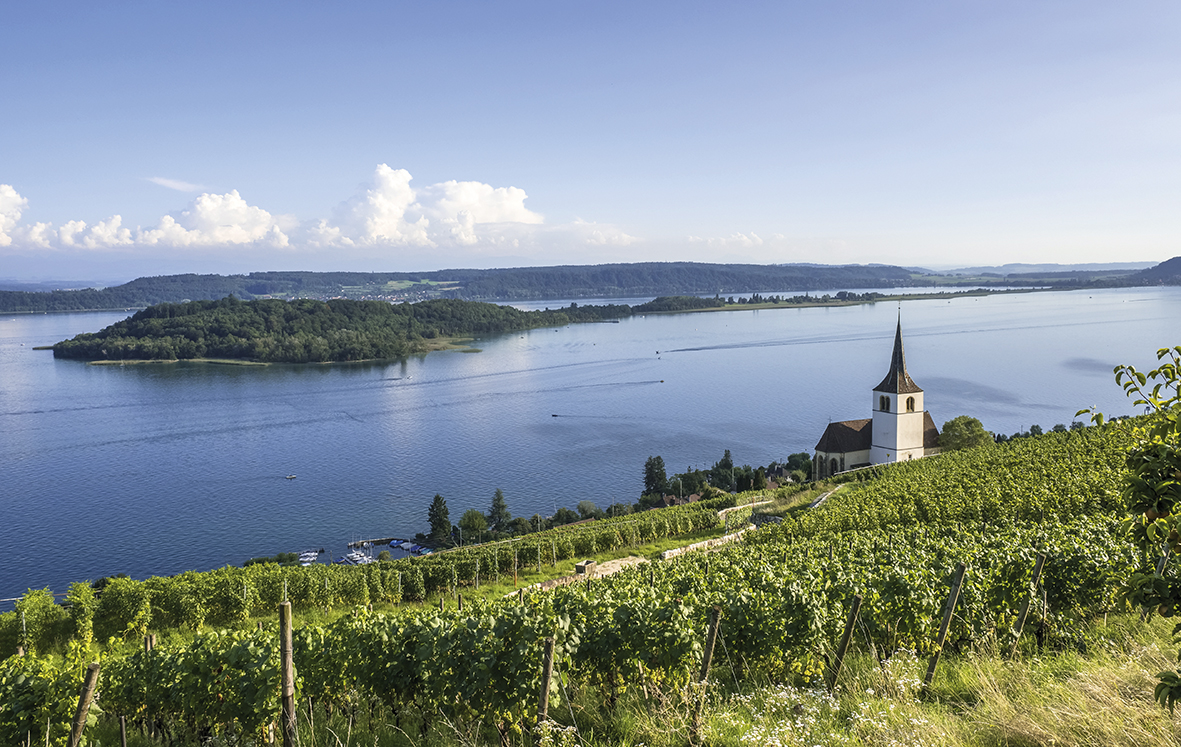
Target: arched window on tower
x,y
832,467
884,404
910,404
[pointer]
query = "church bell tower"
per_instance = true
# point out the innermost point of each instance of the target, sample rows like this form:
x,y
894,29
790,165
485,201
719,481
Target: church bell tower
x,y
898,415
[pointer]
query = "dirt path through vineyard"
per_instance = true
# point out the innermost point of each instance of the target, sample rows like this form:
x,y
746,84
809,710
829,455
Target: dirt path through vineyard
x,y
602,569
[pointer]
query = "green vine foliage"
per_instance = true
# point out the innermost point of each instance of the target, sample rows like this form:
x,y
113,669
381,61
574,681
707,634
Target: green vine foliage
x,y
39,620
1152,490
82,603
124,610
38,697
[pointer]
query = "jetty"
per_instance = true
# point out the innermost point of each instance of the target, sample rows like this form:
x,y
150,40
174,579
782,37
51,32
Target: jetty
x,y
380,541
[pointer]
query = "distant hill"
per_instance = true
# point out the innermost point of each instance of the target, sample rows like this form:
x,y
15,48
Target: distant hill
x,y
1166,273
562,282
8,284
509,284
1021,268
673,278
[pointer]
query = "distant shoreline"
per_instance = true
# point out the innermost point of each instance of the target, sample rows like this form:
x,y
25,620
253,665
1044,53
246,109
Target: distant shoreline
x,y
455,344
976,292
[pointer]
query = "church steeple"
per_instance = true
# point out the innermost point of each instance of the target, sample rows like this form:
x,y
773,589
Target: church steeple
x,y
898,381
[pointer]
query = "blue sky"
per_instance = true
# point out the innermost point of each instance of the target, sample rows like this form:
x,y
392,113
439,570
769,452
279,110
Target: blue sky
x,y
149,137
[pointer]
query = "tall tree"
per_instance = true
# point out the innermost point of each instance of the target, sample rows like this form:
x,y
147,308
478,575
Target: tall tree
x,y
498,515
689,482
588,510
440,520
472,524
722,474
964,432
564,516
800,461
655,479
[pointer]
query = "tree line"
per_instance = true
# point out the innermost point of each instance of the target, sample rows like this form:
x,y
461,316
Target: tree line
x,y
722,476
498,523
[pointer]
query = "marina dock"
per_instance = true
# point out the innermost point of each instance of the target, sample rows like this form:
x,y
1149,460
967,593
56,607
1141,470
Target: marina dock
x,y
376,542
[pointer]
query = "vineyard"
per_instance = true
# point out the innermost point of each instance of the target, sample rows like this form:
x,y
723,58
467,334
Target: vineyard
x,y
228,596
473,669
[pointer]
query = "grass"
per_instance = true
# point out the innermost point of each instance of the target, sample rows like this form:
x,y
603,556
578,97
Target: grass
x,y
977,700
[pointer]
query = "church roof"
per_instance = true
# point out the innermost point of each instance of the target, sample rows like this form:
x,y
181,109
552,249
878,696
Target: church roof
x,y
847,436
898,381
930,432
857,435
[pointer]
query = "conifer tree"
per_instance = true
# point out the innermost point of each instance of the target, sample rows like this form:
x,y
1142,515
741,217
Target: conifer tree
x,y
440,520
498,515
655,479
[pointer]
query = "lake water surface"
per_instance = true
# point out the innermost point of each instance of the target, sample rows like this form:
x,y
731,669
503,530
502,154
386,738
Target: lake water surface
x,y
155,469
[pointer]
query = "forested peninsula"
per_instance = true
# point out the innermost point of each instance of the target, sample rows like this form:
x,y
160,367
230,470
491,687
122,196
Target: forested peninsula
x,y
308,331
342,330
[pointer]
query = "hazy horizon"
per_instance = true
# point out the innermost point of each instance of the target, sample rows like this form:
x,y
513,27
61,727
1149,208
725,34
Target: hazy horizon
x,y
62,282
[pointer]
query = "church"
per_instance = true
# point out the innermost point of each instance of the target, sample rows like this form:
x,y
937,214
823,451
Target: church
x,y
900,428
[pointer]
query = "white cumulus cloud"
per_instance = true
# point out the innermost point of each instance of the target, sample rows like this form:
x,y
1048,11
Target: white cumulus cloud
x,y
11,206
734,241
40,235
379,215
216,220
75,233
457,208
601,234
390,211
457,219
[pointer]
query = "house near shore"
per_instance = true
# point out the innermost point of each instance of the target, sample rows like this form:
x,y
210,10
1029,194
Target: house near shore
x,y
900,429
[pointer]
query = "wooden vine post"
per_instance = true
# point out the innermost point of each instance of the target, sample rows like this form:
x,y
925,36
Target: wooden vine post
x,y
547,673
149,722
1020,625
84,700
1160,571
953,597
843,648
287,675
711,640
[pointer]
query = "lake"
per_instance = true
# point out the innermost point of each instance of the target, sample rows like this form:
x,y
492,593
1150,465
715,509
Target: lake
x,y
155,469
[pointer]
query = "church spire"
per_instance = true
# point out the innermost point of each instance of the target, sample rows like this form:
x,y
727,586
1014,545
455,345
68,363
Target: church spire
x,y
898,381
